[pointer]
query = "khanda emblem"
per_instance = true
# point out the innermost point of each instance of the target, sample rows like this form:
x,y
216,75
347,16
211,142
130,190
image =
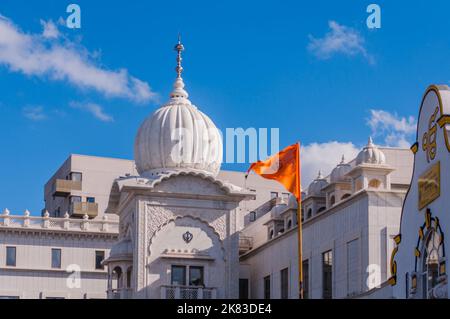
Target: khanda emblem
x,y
429,138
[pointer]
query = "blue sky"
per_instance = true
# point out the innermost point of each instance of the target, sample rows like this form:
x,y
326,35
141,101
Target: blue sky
x,y
312,69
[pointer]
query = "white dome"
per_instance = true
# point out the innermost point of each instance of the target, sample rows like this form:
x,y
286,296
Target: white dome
x,y
316,186
339,172
178,137
371,154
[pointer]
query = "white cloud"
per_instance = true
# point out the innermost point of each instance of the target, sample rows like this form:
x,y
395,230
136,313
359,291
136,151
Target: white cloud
x,y
95,109
396,131
340,39
324,157
34,113
50,30
47,55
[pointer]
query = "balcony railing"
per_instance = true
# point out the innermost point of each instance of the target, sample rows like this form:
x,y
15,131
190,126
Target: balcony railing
x,y
63,187
187,292
245,244
79,209
67,224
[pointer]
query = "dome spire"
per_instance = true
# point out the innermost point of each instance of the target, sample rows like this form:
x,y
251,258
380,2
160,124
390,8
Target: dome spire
x,y
178,87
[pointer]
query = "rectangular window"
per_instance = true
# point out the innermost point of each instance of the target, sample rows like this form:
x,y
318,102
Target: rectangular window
x,y
78,177
99,257
243,288
196,276
252,216
56,258
306,279
90,199
75,199
178,276
327,275
267,287
285,197
273,195
11,256
284,283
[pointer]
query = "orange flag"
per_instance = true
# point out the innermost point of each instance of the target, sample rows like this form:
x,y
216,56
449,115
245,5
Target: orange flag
x,y
283,167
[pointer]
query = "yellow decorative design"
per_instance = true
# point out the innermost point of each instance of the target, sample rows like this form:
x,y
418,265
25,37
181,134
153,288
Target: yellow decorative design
x,y
392,281
435,89
414,282
421,233
415,148
429,185
429,138
444,120
398,239
442,269
417,252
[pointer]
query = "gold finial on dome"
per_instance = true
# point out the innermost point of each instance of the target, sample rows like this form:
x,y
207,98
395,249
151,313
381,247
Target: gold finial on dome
x,y
179,91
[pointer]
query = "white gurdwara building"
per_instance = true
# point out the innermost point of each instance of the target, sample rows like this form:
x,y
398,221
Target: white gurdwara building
x,y
171,224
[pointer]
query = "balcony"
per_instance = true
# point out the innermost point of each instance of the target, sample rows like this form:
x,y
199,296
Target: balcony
x,y
187,292
79,209
245,244
63,187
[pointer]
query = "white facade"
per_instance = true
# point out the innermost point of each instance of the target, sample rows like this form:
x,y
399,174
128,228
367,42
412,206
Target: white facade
x,y
31,272
350,216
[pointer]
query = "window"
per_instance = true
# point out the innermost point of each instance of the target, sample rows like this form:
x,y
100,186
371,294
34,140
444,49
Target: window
x,y
99,257
252,216
309,213
78,177
196,276
271,233
273,195
75,199
327,272
306,279
267,287
285,197
178,276
11,256
243,288
90,199
284,283
56,258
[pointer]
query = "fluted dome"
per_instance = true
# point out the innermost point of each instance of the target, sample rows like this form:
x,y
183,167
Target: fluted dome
x,y
178,136
316,186
339,172
371,154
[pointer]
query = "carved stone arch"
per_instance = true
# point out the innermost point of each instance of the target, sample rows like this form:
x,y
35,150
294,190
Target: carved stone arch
x,y
174,219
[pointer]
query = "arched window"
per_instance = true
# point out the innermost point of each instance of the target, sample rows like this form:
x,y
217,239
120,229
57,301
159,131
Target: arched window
x,y
309,213
433,253
321,209
117,278
289,224
271,234
374,183
346,196
332,200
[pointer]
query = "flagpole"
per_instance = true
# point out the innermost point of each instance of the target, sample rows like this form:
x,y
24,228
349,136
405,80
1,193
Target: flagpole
x,y
299,232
